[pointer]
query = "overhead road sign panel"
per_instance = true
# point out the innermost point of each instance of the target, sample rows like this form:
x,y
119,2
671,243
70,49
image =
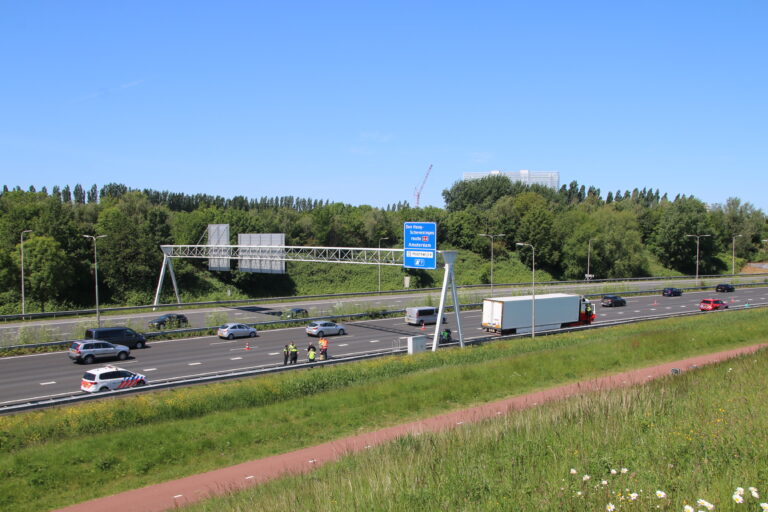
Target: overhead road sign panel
x,y
420,245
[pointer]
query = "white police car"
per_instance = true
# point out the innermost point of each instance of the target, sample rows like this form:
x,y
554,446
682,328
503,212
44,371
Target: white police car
x,y
110,378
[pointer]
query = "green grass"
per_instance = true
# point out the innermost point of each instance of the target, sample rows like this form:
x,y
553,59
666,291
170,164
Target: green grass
x,y
56,457
697,436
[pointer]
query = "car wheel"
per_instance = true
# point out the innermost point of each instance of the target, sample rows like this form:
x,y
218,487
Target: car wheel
x,y
122,356
320,334
231,337
141,383
252,334
341,332
88,360
140,344
103,389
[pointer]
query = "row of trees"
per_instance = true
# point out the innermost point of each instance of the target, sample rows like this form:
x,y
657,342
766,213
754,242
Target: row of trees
x,y
625,234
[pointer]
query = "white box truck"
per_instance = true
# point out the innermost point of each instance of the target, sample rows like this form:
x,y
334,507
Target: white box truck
x,y
553,311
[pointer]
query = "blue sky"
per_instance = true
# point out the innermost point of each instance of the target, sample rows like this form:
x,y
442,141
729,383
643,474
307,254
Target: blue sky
x,y
352,101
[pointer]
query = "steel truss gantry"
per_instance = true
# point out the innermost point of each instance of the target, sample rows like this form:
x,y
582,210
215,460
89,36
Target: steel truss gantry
x,y
350,255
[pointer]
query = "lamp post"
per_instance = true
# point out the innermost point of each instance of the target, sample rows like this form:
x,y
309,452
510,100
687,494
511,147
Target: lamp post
x,y
492,237
96,275
379,260
733,255
533,286
23,301
697,252
588,276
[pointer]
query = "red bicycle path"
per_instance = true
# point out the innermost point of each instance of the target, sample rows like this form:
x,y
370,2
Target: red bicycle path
x,y
177,493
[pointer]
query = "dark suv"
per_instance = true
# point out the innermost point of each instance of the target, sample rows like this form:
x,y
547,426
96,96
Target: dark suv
x,y
724,287
672,292
120,335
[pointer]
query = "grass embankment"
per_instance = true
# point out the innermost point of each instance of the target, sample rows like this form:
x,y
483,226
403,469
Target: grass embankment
x,y
56,457
662,446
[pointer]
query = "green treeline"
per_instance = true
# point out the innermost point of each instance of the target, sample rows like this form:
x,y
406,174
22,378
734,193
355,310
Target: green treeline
x,y
624,234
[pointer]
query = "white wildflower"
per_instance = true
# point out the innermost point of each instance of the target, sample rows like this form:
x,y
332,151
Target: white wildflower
x,y
613,471
764,506
705,504
755,494
687,508
624,470
610,507
585,478
604,482
739,491
573,471
738,498
661,494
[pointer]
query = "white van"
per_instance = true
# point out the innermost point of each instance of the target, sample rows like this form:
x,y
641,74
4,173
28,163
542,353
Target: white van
x,y
422,315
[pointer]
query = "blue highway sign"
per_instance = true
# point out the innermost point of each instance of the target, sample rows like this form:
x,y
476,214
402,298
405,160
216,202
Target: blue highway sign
x,y
420,245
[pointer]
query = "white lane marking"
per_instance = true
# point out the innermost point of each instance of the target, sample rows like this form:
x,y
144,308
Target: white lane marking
x,y
343,345
149,369
194,364
235,358
226,342
48,383
273,354
372,341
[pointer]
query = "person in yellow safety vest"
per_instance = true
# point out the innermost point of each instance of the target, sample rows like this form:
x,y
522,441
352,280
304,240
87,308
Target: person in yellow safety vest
x,y
311,354
294,353
323,348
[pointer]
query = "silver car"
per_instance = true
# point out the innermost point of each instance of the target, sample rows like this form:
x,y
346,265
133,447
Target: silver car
x,y
231,331
324,328
88,351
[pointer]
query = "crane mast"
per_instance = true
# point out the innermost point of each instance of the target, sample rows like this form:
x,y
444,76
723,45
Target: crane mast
x,y
417,191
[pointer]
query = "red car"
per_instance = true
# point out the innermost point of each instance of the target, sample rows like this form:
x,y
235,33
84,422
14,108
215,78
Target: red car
x,y
712,304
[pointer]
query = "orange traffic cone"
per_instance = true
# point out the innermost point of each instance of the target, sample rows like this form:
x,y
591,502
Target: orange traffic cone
x,y
247,347
423,327
654,303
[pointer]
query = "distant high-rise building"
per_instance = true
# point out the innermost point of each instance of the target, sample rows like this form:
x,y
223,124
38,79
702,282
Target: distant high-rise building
x,y
546,178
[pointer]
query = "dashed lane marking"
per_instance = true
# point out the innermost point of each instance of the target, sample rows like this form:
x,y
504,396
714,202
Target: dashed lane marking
x,y
343,345
237,358
194,364
48,383
372,341
149,369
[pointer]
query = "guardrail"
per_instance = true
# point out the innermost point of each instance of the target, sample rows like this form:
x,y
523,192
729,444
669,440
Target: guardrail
x,y
25,405
90,311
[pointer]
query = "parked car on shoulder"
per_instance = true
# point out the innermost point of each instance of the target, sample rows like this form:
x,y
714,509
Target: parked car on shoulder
x,y
612,301
88,351
712,304
724,287
231,331
295,313
119,335
110,378
168,321
672,292
324,328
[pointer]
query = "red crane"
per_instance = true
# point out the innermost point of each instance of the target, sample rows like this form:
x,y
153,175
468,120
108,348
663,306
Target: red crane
x,y
417,191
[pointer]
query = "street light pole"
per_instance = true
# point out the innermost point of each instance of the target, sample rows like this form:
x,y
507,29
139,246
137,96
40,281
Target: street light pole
x,y
492,237
96,275
533,287
733,255
697,252
379,260
23,301
589,254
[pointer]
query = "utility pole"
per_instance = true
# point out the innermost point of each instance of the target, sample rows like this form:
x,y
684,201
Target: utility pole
x,y
96,275
697,252
733,255
23,300
378,254
492,237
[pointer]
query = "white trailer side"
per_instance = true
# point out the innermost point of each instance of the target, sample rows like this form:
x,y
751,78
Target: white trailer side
x,y
513,314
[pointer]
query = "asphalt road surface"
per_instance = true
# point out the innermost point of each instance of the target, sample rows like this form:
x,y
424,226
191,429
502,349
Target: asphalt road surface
x,y
41,376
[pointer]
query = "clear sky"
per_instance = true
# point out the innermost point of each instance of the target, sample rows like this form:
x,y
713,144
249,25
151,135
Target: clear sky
x,y
352,101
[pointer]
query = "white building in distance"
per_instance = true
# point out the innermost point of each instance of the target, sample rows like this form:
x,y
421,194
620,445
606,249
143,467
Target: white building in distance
x,y
547,178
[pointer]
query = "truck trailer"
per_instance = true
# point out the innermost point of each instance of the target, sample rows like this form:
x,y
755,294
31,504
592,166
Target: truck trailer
x,y
512,315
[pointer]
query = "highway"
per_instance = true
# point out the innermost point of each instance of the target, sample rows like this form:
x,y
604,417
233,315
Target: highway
x,y
42,376
68,328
